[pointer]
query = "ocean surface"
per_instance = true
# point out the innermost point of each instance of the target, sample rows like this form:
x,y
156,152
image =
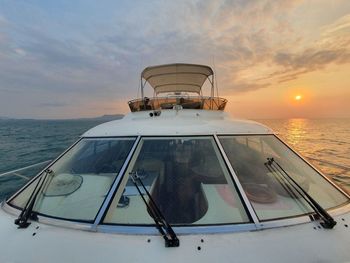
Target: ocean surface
x,y
324,142
27,142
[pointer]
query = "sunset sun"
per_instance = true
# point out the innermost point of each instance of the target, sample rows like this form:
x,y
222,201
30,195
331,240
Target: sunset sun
x,y
298,97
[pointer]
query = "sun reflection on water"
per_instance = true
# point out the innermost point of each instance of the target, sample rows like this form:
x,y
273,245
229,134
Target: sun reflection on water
x,y
296,130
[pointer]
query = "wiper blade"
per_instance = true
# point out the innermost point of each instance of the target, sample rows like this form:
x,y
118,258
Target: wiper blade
x,y
27,211
162,225
328,221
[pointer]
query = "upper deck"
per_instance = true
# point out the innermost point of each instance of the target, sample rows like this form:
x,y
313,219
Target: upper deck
x,y
177,81
185,102
176,112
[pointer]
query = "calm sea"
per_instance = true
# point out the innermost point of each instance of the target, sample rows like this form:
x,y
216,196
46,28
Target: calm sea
x,y
325,143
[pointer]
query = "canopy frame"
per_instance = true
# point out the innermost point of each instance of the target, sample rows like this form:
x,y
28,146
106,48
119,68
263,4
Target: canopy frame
x,y
209,75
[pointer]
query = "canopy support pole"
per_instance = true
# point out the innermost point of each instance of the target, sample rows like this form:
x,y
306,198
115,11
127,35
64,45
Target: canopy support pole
x,y
142,87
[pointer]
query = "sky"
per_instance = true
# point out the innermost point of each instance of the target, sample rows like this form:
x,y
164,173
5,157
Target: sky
x,y
68,59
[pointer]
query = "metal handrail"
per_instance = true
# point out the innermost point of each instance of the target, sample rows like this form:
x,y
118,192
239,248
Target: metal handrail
x,y
188,102
14,172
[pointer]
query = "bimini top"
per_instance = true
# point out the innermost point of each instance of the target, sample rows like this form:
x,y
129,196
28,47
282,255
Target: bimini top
x,y
177,77
178,81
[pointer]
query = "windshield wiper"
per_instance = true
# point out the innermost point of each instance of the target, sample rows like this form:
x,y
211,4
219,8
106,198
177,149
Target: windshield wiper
x,y
27,211
274,167
162,225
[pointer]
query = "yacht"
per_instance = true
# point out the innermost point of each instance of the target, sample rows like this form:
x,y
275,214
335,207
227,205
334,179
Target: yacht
x,y
177,180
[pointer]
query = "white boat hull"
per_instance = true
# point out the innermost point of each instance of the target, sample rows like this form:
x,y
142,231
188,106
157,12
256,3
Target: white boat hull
x,y
299,243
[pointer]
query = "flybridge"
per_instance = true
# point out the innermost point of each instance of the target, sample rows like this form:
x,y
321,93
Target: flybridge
x,y
177,81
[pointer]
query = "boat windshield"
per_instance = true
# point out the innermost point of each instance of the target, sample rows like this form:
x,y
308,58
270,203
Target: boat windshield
x,y
271,195
186,178
79,181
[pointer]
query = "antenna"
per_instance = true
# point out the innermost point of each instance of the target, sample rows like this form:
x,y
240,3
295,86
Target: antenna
x,y
142,87
138,90
216,77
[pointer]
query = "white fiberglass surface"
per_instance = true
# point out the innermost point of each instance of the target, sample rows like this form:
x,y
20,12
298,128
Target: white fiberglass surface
x,y
266,180
187,179
80,180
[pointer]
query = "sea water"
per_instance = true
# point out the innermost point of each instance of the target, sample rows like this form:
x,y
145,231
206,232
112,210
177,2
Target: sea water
x,y
324,142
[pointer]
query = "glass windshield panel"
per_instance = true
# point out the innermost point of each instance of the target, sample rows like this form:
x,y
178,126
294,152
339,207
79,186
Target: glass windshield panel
x,y
186,178
272,196
79,180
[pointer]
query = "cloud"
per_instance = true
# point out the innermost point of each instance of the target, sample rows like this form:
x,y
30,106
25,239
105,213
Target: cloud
x,y
341,25
95,53
3,20
246,87
176,34
312,59
292,65
333,47
52,104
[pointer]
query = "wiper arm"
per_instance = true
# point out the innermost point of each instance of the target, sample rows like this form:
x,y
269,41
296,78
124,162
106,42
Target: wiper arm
x,y
274,167
162,225
27,212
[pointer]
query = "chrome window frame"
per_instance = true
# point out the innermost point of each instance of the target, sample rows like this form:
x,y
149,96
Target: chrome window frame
x,y
114,188
196,230
209,136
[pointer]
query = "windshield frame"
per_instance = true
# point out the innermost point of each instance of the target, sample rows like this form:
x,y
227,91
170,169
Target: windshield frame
x,y
222,155
98,226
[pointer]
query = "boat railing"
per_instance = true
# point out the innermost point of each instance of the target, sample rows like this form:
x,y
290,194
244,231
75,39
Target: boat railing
x,y
13,180
187,102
